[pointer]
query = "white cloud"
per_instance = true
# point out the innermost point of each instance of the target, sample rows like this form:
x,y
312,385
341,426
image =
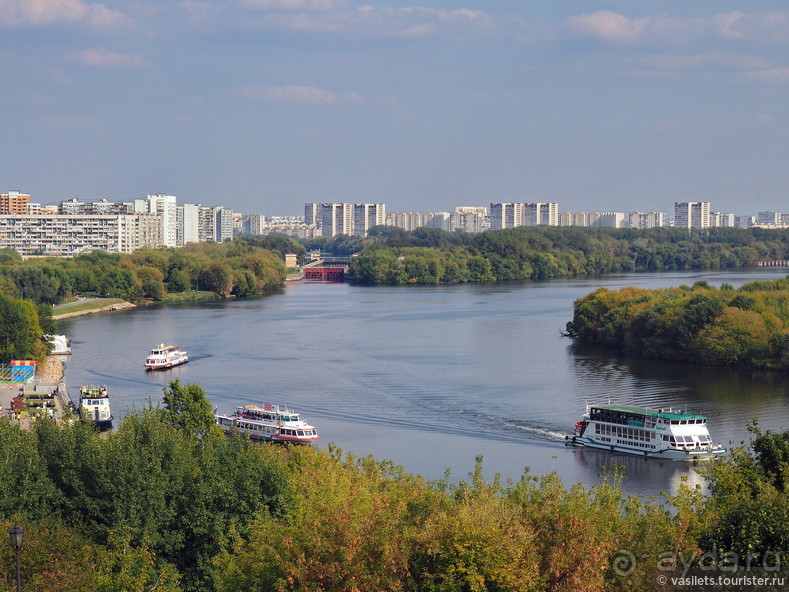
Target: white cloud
x,y
708,60
613,26
291,5
18,13
770,76
296,94
61,122
102,58
733,26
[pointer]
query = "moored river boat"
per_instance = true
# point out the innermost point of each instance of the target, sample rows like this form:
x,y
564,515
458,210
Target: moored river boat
x,y
94,404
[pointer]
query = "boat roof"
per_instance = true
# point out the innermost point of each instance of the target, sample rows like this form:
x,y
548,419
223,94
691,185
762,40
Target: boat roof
x,y
662,413
266,408
94,391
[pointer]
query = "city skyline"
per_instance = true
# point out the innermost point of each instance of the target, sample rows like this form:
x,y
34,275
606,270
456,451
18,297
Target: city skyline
x,y
263,105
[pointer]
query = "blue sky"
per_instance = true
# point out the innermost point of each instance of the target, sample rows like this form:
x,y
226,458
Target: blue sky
x,y
263,105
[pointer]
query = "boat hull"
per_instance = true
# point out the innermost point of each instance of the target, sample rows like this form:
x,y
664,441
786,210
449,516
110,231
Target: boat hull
x,y
668,453
165,365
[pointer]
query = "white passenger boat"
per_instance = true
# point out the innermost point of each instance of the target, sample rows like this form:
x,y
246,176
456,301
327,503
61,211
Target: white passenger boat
x,y
270,423
165,356
94,404
647,432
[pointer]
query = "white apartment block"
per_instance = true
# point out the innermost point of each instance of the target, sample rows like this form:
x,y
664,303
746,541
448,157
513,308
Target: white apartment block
x,y
56,235
336,218
223,224
745,221
365,216
505,215
254,224
312,213
188,225
545,213
574,219
769,218
607,219
440,220
468,221
405,220
692,214
721,220
165,206
646,220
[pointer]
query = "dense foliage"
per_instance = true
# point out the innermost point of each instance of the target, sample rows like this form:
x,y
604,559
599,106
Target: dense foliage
x,y
428,255
21,332
726,327
239,268
168,503
748,511
149,490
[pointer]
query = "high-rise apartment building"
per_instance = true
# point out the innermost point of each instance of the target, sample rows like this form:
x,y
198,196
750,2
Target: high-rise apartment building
x,y
336,218
505,215
440,220
769,218
254,224
721,220
405,220
607,219
692,214
188,224
166,207
365,216
545,213
223,224
312,213
646,220
14,202
57,235
469,219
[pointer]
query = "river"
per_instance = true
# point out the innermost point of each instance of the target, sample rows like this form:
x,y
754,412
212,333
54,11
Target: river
x,y
428,376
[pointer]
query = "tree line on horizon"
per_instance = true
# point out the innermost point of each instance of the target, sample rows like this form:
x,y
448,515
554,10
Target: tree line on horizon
x,y
391,255
169,503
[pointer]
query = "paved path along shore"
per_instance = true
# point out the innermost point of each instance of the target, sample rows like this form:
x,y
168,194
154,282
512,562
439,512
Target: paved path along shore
x,y
99,308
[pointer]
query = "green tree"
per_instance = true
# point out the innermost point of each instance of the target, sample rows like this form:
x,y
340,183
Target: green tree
x,y
187,409
21,335
217,277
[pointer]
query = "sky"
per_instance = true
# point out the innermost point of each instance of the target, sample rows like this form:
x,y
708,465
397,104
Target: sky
x,y
263,105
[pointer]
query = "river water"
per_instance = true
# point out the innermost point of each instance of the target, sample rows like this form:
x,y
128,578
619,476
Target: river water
x,y
428,376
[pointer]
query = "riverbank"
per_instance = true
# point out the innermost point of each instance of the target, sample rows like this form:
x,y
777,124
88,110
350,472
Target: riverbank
x,y
83,307
52,370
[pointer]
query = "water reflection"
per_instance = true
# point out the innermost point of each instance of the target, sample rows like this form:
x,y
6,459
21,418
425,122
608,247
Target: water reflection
x,y
656,477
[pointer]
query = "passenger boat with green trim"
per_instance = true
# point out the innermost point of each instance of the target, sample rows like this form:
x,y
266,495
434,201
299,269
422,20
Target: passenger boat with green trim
x,y
646,432
94,404
270,423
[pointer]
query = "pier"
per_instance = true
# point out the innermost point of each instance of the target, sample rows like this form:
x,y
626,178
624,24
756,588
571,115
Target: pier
x,y
773,263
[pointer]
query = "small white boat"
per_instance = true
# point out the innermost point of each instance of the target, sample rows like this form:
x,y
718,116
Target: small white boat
x,y
646,432
165,356
270,423
94,404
